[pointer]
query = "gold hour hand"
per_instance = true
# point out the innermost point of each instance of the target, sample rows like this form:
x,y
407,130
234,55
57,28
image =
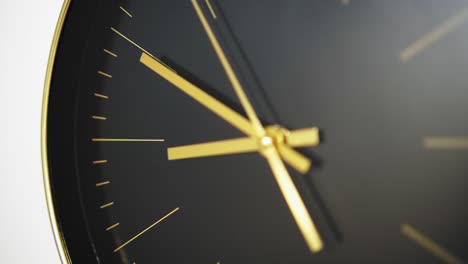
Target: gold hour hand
x,y
215,148
302,138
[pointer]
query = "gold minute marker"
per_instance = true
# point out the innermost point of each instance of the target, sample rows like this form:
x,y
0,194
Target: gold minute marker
x,y
99,162
99,118
213,14
110,53
106,205
102,183
105,74
126,12
101,96
112,226
148,228
428,244
436,34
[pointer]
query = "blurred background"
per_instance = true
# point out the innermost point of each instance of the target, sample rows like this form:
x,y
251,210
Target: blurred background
x,y
26,30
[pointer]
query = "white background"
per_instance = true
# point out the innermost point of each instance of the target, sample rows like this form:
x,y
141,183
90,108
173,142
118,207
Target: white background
x,y
26,31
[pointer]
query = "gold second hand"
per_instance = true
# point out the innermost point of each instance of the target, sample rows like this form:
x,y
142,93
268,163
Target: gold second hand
x,y
139,47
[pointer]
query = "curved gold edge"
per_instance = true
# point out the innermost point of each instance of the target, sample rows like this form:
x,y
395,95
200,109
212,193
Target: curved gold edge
x,y
58,236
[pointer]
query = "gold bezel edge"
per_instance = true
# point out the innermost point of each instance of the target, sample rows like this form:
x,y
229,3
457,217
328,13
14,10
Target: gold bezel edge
x,y
58,236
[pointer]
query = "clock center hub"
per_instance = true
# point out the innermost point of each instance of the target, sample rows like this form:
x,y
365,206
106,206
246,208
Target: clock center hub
x,y
274,136
277,133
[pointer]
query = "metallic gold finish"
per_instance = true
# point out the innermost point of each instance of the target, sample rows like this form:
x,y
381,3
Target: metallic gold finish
x,y
144,231
260,131
446,143
110,53
430,38
282,177
99,118
101,96
106,205
112,227
213,14
429,245
99,162
105,74
212,104
126,140
303,137
102,183
216,148
298,162
294,201
126,12
279,137
58,235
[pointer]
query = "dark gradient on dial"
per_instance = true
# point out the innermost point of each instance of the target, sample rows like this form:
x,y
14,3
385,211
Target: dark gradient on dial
x,y
311,63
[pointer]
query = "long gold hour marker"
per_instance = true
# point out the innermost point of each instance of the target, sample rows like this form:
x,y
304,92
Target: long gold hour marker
x,y
101,96
102,183
106,205
110,53
148,228
430,38
99,162
105,74
99,118
428,244
125,11
126,140
112,227
446,143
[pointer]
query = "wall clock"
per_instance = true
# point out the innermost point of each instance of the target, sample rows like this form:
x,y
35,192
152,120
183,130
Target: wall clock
x,y
218,131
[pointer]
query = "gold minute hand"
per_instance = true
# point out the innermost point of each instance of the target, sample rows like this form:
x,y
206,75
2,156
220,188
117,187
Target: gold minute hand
x,y
198,95
294,158
282,177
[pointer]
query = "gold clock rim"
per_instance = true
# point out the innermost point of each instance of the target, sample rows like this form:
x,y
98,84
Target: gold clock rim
x,y
57,232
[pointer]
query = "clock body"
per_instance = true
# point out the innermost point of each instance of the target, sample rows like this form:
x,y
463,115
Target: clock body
x,y
384,81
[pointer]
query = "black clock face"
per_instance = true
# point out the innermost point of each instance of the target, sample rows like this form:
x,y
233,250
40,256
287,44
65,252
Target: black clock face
x,y
137,83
